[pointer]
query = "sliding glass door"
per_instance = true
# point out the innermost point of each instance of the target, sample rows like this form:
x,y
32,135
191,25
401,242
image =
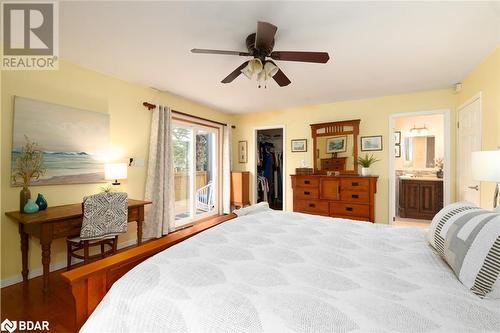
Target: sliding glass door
x,y
195,153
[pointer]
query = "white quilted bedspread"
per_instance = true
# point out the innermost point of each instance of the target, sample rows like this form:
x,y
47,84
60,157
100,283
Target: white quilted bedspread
x,y
290,272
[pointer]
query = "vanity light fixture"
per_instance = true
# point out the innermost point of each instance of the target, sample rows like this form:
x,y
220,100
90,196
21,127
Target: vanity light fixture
x,y
419,131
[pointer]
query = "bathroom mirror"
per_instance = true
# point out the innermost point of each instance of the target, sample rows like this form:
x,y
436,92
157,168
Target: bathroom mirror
x,y
334,146
419,152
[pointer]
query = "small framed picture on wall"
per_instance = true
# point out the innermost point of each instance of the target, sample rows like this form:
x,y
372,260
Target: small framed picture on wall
x,y
397,151
397,137
299,145
371,143
242,151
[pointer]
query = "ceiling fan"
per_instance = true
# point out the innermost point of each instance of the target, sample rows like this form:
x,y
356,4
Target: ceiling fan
x,y
260,46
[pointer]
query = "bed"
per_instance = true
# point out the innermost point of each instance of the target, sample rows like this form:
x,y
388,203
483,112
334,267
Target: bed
x,y
276,271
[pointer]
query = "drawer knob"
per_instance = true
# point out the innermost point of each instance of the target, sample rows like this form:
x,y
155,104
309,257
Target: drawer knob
x,y
307,193
355,196
312,205
349,209
355,184
307,182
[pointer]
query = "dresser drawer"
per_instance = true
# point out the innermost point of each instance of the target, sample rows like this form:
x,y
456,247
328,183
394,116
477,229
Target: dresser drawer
x,y
355,184
306,193
312,206
355,196
306,181
349,209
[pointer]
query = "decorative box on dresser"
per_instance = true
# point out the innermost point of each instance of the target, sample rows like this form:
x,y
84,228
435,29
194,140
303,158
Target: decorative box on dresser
x,y
240,184
346,196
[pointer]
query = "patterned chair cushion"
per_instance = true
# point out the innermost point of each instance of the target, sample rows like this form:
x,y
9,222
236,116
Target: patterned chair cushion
x,y
468,239
104,215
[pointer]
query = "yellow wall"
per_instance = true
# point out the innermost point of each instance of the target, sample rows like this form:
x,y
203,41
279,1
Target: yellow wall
x,y
374,114
485,78
81,88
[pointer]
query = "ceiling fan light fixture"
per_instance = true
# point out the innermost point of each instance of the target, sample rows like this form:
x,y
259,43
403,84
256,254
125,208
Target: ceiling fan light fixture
x,y
253,68
270,69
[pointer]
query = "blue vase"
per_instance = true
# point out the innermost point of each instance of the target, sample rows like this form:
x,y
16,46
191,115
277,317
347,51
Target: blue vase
x,y
31,207
41,202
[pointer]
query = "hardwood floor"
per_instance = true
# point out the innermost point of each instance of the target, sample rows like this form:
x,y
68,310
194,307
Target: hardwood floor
x,y
407,222
27,302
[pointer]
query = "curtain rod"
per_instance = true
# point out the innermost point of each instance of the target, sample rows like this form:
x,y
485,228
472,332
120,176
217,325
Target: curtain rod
x,y
150,107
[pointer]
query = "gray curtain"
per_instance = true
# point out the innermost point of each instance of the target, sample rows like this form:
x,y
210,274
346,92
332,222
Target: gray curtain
x,y
159,217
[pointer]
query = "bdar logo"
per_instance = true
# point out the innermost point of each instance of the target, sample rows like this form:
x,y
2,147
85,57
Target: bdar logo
x,y
8,325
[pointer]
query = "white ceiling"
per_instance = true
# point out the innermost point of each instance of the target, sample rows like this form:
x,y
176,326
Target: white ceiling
x,y
376,48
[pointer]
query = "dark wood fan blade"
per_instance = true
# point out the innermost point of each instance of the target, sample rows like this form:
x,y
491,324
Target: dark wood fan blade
x,y
281,79
264,38
234,74
208,51
318,57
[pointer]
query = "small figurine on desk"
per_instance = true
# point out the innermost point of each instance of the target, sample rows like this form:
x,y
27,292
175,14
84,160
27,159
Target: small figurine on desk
x,y
31,207
41,202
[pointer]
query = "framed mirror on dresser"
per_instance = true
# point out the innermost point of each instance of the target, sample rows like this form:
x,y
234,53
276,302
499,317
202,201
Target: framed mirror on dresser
x,y
335,188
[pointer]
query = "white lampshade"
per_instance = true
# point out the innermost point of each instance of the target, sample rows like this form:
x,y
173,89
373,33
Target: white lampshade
x,y
486,165
115,171
254,67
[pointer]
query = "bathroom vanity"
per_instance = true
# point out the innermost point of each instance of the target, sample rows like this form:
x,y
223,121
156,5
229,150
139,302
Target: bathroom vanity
x,y
420,197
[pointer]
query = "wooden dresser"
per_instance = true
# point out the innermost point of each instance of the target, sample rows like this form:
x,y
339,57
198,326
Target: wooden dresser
x,y
240,184
347,196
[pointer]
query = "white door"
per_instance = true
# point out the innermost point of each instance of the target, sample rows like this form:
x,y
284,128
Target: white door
x,y
469,140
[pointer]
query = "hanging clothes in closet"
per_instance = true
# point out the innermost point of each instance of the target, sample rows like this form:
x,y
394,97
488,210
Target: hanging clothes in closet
x,y
269,169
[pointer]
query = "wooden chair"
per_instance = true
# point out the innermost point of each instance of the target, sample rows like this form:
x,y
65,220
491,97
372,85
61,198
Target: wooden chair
x,y
76,243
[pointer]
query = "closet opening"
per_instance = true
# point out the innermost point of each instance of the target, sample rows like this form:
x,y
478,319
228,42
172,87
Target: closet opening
x,y
270,177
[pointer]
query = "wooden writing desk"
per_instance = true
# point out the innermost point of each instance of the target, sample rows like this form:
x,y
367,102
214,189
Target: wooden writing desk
x,y
60,222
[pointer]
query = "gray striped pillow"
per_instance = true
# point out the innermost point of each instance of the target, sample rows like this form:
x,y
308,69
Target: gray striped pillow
x,y
468,238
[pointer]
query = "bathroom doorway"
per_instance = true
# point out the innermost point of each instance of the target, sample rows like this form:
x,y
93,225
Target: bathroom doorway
x,y
419,168
270,180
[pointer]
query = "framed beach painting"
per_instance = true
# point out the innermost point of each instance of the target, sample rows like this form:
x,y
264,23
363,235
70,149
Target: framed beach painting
x,y
371,143
299,145
337,144
74,142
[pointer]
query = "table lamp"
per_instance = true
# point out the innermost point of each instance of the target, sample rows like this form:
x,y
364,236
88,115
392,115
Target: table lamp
x,y
115,171
486,167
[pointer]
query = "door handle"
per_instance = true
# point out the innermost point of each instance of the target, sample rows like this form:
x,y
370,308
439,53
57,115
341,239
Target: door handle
x,y
474,187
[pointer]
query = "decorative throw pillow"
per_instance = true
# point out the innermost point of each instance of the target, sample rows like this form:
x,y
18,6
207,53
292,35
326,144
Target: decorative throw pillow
x,y
468,239
459,211
253,209
472,249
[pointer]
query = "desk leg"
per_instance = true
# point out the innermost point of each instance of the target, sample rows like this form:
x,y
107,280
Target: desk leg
x,y
24,251
140,220
45,242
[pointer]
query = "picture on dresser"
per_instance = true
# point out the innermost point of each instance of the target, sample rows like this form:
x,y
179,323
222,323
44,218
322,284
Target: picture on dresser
x,y
371,143
336,144
74,142
299,145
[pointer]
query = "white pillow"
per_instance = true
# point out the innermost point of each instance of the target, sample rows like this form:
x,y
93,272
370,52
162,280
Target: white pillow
x,y
253,209
468,239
